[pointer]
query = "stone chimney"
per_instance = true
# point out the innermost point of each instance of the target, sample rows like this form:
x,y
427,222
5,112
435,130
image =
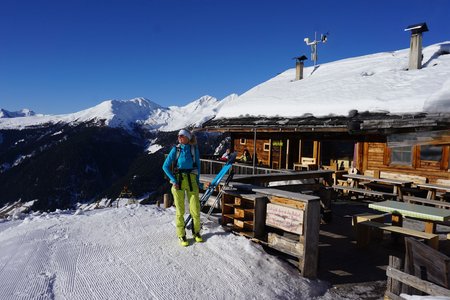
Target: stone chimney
x,y
299,67
415,49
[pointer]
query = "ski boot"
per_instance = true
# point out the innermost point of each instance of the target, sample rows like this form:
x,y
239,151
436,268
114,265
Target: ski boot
x,y
183,241
198,238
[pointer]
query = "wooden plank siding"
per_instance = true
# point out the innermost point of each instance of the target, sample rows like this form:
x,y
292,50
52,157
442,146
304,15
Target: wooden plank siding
x,y
271,153
376,156
262,156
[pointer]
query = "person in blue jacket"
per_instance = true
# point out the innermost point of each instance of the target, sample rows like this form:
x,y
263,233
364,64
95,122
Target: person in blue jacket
x,y
185,179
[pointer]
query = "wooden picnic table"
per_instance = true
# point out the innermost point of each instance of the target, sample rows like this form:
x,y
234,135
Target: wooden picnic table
x,y
396,184
429,215
433,188
265,179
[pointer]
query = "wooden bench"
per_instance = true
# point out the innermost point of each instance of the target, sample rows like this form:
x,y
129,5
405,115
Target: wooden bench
x,y
446,182
437,203
363,217
443,181
416,179
364,230
364,192
359,218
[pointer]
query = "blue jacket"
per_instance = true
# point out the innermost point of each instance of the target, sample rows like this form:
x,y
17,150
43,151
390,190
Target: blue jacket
x,y
184,161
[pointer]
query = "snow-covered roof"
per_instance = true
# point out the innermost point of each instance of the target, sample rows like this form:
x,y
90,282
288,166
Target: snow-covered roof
x,y
376,83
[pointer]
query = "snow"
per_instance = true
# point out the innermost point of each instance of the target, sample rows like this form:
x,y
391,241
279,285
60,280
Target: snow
x,y
415,297
132,253
376,82
193,114
13,114
128,113
153,147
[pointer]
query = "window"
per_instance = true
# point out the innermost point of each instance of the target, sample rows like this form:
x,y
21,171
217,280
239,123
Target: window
x,y
430,152
266,147
307,148
401,156
243,141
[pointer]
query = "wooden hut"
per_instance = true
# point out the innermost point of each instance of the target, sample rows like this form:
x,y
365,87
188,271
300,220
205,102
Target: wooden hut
x,y
413,144
372,113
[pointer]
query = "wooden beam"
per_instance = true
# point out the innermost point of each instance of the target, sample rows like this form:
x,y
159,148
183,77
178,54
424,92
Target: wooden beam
x,y
417,283
311,240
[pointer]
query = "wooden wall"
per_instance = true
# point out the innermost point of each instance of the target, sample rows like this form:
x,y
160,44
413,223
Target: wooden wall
x,y
242,143
376,156
370,155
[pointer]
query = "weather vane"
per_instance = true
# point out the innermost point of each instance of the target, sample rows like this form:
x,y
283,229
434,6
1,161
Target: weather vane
x,y
313,44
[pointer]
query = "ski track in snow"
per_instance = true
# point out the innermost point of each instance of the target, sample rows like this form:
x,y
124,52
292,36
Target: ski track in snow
x,y
133,253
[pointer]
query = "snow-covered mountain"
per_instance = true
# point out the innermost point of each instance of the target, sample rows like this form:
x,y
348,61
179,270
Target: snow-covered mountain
x,y
194,113
127,114
14,114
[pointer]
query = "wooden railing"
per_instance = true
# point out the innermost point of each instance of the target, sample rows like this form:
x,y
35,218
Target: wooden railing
x,y
211,166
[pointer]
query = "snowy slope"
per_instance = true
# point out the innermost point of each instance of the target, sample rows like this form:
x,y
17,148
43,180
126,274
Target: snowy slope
x,y
132,253
115,113
194,113
128,113
378,82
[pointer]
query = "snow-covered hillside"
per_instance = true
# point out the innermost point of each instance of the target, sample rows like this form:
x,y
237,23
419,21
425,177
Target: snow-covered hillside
x,y
192,114
128,113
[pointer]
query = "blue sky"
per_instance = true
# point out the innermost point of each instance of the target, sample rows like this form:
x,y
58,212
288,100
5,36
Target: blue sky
x,y
65,56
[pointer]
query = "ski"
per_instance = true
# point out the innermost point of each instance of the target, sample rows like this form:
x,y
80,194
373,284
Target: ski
x,y
219,195
213,185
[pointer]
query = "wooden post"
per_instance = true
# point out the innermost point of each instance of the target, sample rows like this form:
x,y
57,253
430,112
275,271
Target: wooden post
x,y
397,219
287,154
393,286
260,217
308,265
254,151
167,202
376,173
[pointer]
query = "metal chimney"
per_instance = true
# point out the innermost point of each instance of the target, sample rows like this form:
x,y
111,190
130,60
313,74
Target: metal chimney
x,y
299,67
415,49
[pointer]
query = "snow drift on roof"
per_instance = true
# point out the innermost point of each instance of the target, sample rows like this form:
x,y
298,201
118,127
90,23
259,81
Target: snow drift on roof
x,y
377,82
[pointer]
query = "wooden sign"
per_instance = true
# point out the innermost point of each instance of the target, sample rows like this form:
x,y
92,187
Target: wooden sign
x,y
286,218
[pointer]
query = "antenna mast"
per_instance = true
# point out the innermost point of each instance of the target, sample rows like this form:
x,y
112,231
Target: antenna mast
x,y
313,44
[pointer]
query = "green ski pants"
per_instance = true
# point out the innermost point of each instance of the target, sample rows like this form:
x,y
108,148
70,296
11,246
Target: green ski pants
x,y
194,203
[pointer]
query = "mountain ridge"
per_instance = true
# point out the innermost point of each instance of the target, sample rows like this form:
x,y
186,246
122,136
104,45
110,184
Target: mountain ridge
x,y
125,114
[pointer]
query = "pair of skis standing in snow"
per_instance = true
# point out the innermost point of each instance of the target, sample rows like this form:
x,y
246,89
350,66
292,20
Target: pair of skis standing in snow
x,y
186,180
